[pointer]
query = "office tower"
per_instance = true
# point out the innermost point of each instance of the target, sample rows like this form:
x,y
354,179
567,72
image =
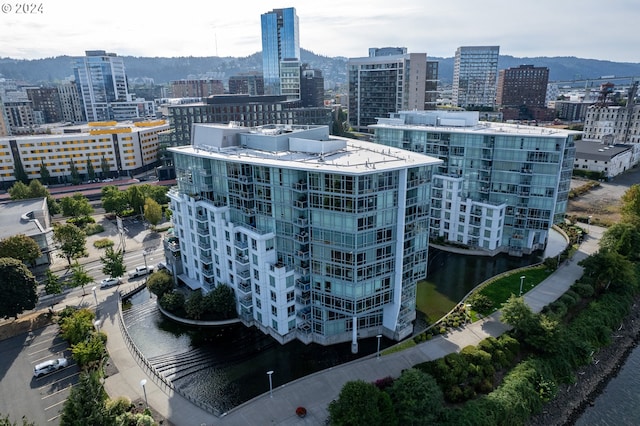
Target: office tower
x,y
522,92
280,41
500,187
389,80
46,100
101,80
475,71
249,83
70,102
323,239
311,87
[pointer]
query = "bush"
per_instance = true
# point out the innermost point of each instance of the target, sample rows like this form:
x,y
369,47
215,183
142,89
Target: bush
x,y
583,289
173,302
81,221
103,243
94,228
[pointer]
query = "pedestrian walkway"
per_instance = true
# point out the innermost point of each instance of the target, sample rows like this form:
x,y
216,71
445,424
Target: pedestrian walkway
x,y
316,391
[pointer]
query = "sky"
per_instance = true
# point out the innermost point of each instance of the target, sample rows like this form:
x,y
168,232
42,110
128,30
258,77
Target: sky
x,y
592,29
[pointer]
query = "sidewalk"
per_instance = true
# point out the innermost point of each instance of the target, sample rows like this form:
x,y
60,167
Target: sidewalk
x,y
316,391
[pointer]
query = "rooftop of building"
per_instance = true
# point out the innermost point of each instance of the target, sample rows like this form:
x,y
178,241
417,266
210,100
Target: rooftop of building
x,y
596,150
298,147
463,122
91,128
17,217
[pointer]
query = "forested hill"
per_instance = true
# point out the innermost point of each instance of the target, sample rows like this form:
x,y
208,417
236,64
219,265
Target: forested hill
x,y
163,70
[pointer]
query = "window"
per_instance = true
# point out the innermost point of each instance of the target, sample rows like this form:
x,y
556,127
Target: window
x,y
273,296
290,296
291,310
274,311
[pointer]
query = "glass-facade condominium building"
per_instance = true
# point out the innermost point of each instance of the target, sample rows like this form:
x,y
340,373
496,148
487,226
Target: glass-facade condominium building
x,y
323,239
280,41
475,74
101,80
500,187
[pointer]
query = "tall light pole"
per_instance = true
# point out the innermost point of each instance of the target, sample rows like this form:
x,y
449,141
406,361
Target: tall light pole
x,y
144,390
144,255
95,296
269,373
521,282
379,336
589,224
96,323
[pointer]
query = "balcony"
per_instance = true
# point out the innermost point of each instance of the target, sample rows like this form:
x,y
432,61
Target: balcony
x,y
304,299
246,302
205,257
201,217
300,204
302,254
300,186
302,237
204,243
304,314
202,229
302,221
303,284
244,274
244,288
208,272
172,244
242,260
242,245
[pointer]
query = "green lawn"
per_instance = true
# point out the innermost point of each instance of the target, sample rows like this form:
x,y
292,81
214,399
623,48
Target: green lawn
x,y
500,290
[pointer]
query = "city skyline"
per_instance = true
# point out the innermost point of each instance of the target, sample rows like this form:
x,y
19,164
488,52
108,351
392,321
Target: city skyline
x,y
330,28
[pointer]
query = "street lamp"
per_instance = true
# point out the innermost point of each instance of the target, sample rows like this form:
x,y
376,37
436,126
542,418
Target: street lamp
x,y
378,352
144,390
269,373
589,224
144,255
96,323
95,296
521,281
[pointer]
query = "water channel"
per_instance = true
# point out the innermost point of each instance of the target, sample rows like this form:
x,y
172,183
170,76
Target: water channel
x,y
222,368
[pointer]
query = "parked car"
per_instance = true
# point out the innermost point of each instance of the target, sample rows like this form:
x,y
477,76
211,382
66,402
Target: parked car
x,y
49,366
109,282
140,271
107,180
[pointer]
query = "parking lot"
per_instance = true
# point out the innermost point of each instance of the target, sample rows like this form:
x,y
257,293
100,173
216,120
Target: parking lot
x,y
41,399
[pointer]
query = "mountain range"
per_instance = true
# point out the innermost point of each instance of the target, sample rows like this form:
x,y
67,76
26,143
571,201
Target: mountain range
x,y
163,69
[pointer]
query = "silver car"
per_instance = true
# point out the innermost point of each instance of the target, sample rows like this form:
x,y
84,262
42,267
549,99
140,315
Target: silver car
x,y
49,366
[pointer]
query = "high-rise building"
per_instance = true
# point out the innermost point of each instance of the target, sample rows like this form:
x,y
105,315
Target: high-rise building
x,y
389,80
322,239
525,85
101,80
280,41
311,87
475,71
5,129
70,102
290,78
249,83
19,116
47,101
431,86
500,187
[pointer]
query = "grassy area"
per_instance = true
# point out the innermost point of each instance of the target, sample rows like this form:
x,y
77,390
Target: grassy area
x,y
501,289
433,304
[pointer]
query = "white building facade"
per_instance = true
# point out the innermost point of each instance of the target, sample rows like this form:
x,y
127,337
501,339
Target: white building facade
x,y
500,187
322,239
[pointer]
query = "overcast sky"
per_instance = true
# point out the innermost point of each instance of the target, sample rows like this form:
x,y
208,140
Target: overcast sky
x,y
592,29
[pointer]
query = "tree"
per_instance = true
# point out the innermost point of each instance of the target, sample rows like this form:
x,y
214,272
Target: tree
x,y
71,241
631,204
76,206
222,301
45,175
416,398
20,247
78,326
79,276
52,285
152,211
18,171
623,238
160,283
86,403
519,315
195,305
90,352
18,287
113,263
114,200
609,269
105,167
73,172
6,421
91,173
136,199
361,404
35,189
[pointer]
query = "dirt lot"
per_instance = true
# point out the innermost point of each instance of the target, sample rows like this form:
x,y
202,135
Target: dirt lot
x,y
603,203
